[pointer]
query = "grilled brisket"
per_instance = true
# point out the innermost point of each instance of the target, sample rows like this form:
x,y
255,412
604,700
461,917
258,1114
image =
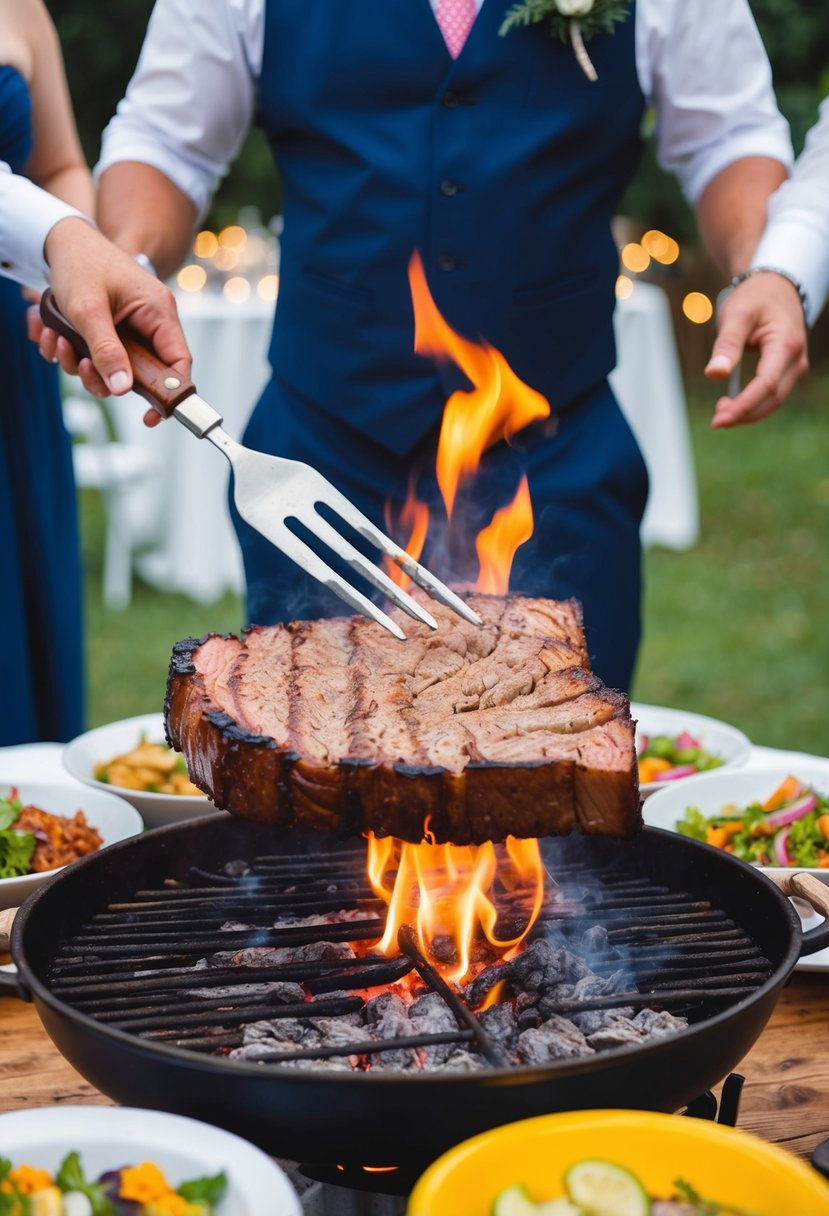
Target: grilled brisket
x,y
484,732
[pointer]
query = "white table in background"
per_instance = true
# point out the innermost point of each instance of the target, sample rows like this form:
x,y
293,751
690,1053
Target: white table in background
x,y
182,517
648,383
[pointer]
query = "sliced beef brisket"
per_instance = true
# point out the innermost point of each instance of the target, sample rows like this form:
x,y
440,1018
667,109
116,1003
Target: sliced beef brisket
x,y
487,732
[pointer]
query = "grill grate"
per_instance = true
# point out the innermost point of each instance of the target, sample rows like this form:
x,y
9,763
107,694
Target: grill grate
x,y
139,966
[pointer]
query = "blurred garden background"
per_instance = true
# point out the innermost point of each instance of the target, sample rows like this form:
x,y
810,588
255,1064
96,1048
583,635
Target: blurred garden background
x,y
737,626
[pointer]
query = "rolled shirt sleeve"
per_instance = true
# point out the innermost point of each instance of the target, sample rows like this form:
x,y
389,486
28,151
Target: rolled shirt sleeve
x,y
190,102
797,237
27,214
704,68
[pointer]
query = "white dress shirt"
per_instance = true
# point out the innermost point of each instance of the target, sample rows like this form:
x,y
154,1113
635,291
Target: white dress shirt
x,y
191,100
797,237
27,214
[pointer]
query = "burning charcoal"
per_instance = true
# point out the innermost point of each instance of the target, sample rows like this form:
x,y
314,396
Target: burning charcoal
x,y
655,1023
442,949
499,1023
480,986
597,1019
431,1015
555,1039
461,1061
321,950
387,1018
621,1033
543,966
528,1017
236,926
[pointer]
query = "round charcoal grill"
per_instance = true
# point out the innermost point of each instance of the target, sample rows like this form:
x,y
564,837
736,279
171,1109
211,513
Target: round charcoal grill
x,y
105,950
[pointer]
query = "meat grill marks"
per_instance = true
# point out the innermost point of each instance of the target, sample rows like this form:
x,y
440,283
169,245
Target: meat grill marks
x,y
484,732
270,962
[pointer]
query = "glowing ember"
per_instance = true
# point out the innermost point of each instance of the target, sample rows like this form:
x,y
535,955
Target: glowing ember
x,y
446,891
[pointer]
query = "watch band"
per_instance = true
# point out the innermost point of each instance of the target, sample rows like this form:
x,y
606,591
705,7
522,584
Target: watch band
x,y
144,261
785,274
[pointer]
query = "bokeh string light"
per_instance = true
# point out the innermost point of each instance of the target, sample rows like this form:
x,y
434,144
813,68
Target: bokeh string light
x,y
238,262
636,257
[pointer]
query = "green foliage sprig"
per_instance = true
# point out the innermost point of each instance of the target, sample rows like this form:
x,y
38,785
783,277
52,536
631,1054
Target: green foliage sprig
x,y
593,16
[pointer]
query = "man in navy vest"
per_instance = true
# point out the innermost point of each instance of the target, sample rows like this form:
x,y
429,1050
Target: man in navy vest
x,y
402,125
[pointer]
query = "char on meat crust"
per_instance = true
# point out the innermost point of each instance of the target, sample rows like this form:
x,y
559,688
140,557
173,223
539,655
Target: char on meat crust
x,y
486,732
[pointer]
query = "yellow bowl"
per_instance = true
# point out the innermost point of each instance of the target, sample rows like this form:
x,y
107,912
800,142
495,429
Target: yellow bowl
x,y
721,1163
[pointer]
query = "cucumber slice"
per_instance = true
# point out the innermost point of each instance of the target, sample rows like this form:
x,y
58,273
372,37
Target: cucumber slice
x,y
514,1201
606,1189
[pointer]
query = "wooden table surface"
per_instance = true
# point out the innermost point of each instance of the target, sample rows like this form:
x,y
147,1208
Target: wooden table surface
x,y
785,1098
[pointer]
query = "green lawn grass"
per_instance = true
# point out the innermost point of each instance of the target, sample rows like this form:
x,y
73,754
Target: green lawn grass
x,y
737,627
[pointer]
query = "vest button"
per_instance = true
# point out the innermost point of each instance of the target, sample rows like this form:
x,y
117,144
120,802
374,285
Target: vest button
x,y
449,188
450,100
447,262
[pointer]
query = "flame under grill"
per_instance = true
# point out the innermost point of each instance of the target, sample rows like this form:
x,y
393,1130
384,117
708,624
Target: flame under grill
x,y
139,965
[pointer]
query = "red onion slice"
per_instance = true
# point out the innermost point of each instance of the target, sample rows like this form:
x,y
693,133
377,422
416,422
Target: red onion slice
x,y
788,814
780,846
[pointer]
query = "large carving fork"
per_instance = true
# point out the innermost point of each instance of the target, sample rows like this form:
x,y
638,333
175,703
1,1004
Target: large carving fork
x,y
269,490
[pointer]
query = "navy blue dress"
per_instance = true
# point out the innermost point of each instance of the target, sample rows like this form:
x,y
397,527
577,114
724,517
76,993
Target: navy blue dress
x,y
41,653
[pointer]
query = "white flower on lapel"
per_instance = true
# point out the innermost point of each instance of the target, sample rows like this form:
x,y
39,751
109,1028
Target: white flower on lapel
x,y
570,20
574,8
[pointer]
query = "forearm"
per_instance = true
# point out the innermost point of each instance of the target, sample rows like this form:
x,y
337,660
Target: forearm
x,y
141,210
732,210
73,184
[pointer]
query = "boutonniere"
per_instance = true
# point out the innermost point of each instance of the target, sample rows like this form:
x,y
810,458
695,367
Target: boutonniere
x,y
573,20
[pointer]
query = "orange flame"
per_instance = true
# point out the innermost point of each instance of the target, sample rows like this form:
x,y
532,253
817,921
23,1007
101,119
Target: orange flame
x,y
497,543
497,405
447,890
414,517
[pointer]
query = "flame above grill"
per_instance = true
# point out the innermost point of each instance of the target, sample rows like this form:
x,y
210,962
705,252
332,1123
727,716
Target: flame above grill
x,y
444,890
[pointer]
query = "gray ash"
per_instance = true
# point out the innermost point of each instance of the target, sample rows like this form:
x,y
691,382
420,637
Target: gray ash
x,y
526,1024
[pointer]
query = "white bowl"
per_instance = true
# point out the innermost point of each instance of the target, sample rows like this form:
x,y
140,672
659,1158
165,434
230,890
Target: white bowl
x,y
109,1137
716,737
712,791
114,818
103,743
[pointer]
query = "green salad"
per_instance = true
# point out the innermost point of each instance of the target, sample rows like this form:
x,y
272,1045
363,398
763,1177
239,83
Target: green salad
x,y
791,828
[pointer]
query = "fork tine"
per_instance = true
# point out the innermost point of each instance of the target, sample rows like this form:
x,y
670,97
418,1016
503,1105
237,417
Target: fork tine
x,y
298,551
338,502
359,562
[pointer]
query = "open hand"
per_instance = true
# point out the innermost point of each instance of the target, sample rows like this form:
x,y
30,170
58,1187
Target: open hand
x,y
763,313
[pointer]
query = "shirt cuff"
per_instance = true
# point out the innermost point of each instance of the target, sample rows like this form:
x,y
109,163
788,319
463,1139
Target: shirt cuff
x,y
801,252
195,180
27,215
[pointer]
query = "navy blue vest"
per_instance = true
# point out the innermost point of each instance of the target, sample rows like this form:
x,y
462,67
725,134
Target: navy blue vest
x,y
503,168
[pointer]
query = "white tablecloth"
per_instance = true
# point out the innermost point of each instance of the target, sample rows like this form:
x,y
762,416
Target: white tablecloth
x,y
648,384
192,545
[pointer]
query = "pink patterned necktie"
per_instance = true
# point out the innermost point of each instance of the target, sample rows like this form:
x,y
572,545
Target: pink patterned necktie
x,y
455,18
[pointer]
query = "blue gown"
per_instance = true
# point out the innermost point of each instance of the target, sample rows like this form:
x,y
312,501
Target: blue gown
x,y
41,654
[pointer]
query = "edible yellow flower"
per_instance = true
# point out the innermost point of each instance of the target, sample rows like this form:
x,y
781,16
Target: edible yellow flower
x,y
29,1178
145,1183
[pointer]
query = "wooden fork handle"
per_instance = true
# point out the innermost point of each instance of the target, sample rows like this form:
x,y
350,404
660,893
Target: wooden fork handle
x,y
159,384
